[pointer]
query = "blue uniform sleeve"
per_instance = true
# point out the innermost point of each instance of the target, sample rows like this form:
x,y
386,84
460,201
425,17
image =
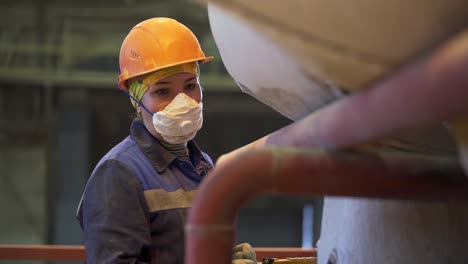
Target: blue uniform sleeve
x,y
114,217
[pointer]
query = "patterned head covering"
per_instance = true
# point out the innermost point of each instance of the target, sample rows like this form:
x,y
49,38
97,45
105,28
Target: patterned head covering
x,y
139,87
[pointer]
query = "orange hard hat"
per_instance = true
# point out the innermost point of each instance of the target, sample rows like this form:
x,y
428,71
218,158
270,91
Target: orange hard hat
x,y
155,44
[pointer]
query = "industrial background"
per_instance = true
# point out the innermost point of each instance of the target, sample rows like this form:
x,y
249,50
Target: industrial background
x,y
60,111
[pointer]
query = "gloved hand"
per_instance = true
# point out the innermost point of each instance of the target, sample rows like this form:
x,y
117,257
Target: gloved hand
x,y
243,254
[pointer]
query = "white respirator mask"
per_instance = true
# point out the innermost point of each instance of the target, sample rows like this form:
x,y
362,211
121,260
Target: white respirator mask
x,y
180,120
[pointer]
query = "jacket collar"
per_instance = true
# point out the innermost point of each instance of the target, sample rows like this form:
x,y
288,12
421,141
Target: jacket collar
x,y
156,153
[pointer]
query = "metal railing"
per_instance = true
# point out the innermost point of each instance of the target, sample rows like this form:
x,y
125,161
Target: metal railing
x,y
77,252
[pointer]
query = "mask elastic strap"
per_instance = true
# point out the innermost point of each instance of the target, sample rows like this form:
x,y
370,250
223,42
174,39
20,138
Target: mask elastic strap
x,y
137,101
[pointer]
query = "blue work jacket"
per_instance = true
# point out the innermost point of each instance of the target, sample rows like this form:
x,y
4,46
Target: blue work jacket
x,y
135,203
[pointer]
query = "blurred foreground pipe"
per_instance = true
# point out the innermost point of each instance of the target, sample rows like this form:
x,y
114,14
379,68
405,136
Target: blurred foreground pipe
x,y
210,231
425,93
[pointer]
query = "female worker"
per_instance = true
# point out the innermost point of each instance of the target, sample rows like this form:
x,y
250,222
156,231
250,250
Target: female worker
x,y
135,204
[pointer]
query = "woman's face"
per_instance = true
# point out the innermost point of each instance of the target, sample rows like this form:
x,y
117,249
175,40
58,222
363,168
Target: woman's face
x,y
161,93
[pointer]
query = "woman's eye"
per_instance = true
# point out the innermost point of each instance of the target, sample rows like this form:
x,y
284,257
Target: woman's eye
x,y
190,86
161,91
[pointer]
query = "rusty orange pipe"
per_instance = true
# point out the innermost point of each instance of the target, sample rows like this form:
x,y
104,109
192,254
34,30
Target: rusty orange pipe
x,y
210,230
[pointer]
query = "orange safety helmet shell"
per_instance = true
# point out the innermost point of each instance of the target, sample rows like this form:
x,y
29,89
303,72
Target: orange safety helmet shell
x,y
155,44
